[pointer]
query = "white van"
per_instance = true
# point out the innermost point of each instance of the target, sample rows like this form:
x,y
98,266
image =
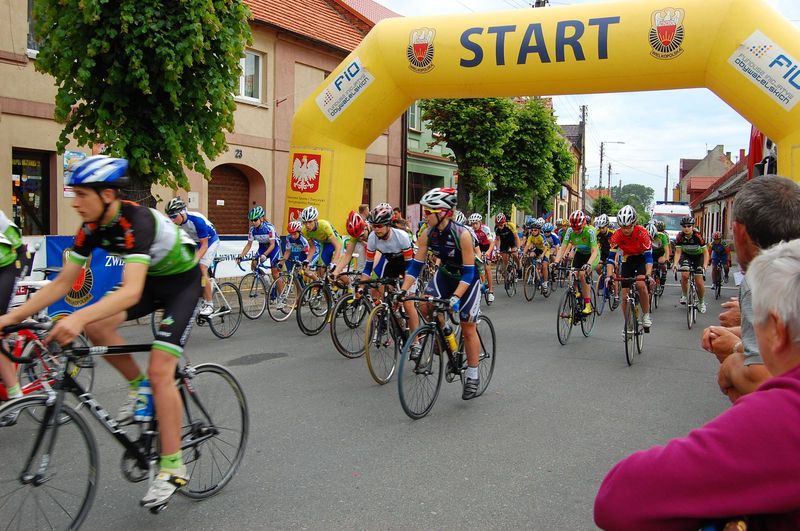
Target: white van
x,y
671,212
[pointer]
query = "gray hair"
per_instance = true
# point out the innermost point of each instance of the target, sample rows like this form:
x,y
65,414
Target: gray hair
x,y
774,277
769,209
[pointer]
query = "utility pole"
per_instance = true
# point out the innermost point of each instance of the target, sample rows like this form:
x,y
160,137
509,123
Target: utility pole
x,y
666,185
609,179
602,146
583,156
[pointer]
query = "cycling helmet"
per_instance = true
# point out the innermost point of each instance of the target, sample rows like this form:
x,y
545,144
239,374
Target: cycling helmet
x,y
445,198
175,206
309,213
548,227
717,235
355,224
500,218
537,224
257,212
577,219
661,226
626,216
295,226
381,214
529,222
475,218
99,171
687,221
601,221
540,221
564,222
460,218
652,230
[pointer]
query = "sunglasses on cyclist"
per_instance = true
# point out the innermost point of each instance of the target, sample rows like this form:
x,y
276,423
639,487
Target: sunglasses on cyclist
x,y
429,211
689,225
173,216
378,225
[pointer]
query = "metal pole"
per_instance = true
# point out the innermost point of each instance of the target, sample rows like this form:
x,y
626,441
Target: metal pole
x,y
600,184
666,185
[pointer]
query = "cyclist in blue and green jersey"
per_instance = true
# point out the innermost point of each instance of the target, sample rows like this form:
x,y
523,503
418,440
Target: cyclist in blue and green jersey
x,y
297,248
583,239
160,272
661,251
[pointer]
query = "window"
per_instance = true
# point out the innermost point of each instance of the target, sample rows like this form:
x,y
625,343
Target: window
x,y
419,183
33,42
250,80
366,192
413,116
30,191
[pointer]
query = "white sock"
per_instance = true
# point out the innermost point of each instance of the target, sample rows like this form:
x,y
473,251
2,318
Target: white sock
x,y
472,373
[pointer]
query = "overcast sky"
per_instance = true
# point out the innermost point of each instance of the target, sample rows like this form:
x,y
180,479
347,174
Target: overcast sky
x,y
658,128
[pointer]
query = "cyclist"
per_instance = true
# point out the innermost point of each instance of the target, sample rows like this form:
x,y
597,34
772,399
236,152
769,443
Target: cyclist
x,y
536,245
486,245
720,254
263,232
354,246
660,243
297,248
691,242
202,231
11,270
456,277
322,232
507,240
393,244
553,241
633,241
583,238
562,226
160,271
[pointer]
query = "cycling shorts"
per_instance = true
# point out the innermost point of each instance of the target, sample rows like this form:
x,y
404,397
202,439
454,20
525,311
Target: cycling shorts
x,y
695,261
484,247
9,276
633,266
386,268
211,253
507,248
719,259
582,259
178,295
443,286
325,256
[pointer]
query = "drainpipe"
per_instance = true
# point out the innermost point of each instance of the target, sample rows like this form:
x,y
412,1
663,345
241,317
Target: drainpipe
x,y
404,163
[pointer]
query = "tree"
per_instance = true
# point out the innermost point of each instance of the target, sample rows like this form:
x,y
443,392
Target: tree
x,y
604,205
152,81
638,195
475,130
536,159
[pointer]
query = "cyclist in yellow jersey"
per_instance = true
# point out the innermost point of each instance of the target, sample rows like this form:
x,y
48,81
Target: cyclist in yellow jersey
x,y
538,246
320,231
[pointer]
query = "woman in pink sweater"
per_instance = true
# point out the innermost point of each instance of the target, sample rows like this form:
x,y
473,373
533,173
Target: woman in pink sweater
x,y
746,462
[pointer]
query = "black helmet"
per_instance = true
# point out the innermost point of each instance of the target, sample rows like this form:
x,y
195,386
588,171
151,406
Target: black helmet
x,y
687,221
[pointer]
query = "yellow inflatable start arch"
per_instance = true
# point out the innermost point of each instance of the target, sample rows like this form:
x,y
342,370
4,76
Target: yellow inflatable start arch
x,y
742,50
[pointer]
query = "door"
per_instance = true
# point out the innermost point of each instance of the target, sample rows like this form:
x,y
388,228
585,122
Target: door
x,y
228,200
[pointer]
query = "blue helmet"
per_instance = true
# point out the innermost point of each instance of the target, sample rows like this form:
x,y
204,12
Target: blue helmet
x,y
548,227
99,171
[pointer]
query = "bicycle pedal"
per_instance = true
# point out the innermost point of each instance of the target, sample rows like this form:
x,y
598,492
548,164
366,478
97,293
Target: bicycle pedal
x,y
157,509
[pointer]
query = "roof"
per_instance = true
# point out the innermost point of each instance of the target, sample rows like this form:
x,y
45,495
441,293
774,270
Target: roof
x,y
371,11
595,193
724,185
573,134
697,184
324,21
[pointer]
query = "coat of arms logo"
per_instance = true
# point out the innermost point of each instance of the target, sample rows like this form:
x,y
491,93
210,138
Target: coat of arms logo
x,y
305,172
420,50
666,33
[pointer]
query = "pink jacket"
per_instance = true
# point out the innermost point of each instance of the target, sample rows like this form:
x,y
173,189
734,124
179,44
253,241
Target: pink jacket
x,y
744,462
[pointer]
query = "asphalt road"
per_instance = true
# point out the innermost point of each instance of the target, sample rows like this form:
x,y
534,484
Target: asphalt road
x,y
330,449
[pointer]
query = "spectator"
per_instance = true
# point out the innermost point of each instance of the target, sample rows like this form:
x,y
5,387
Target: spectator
x,y
766,211
363,210
746,461
399,222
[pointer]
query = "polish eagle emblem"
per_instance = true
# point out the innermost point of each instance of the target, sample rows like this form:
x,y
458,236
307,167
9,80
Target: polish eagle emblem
x,y
305,172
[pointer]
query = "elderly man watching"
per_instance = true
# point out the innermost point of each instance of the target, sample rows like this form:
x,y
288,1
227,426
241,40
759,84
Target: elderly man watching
x,y
766,211
744,463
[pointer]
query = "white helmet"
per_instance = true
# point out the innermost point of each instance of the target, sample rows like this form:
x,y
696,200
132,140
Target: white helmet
x,y
439,198
626,216
460,218
601,221
381,206
652,230
475,218
309,213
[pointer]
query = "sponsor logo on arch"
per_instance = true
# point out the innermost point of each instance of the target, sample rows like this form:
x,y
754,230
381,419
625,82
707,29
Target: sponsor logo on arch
x,y
667,33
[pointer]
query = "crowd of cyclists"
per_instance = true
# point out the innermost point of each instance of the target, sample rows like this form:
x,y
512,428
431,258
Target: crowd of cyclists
x,y
166,266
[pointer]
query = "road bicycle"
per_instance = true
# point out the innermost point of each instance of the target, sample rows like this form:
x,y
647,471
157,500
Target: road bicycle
x,y
570,311
226,316
632,332
659,278
386,332
719,271
422,368
316,302
255,287
607,294
50,457
692,298
349,318
532,281
506,273
285,291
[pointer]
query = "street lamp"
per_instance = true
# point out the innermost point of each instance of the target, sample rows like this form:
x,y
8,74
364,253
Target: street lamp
x,y
602,144
489,187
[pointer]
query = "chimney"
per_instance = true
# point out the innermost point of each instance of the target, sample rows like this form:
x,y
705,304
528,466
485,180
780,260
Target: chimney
x,y
741,154
728,154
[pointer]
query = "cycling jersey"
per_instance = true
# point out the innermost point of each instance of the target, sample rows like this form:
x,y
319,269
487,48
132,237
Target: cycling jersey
x,y
324,233
635,244
538,242
506,235
692,244
298,248
660,244
197,226
264,234
719,251
604,241
10,240
395,248
446,245
552,240
583,241
482,235
139,235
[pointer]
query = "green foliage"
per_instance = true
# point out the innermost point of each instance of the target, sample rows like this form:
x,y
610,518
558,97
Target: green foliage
x,y
604,205
475,130
493,139
152,80
637,195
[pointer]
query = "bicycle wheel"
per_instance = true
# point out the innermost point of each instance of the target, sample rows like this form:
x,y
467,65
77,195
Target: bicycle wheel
x,y
419,380
718,285
690,304
564,317
499,272
587,323
348,323
215,427
381,347
281,303
602,294
613,300
59,498
628,333
488,355
510,281
227,314
313,308
638,332
254,295
530,281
